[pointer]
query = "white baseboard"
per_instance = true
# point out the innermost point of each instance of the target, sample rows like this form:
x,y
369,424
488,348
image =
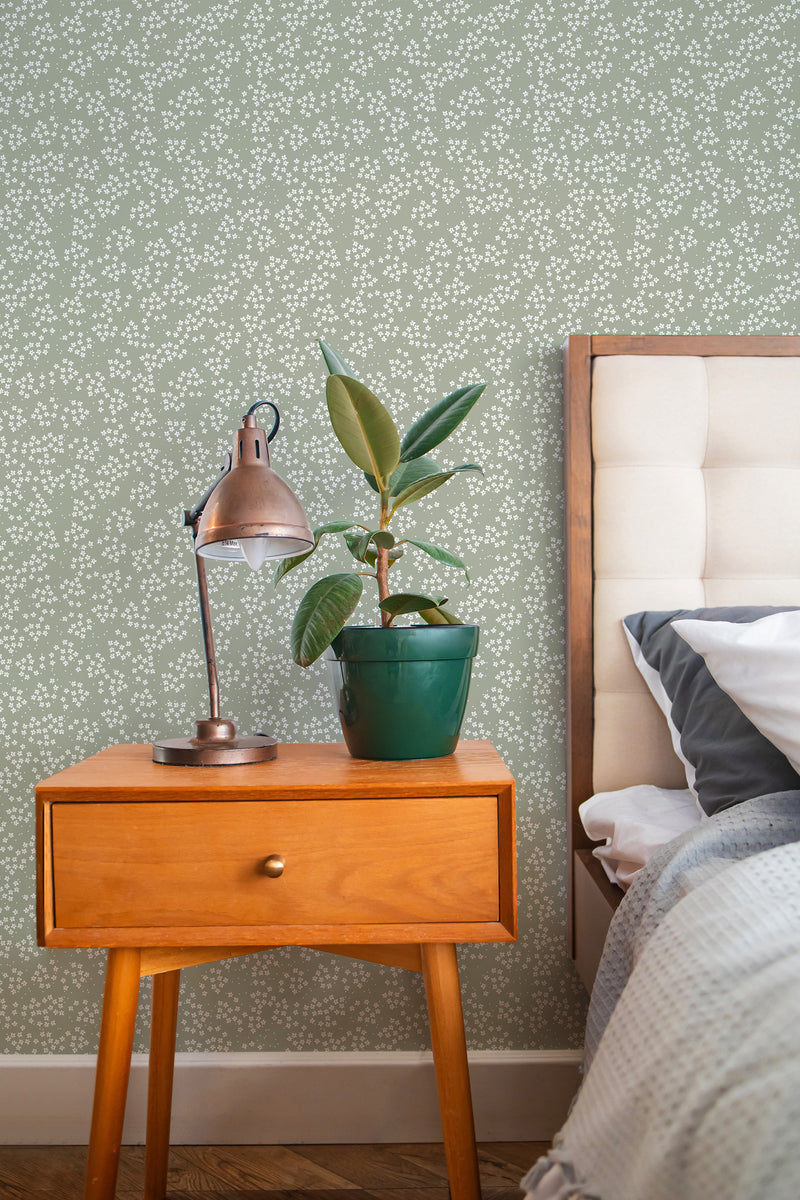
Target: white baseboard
x,y
293,1098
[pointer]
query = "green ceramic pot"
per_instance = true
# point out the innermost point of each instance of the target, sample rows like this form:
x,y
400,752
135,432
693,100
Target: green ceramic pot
x,y
402,693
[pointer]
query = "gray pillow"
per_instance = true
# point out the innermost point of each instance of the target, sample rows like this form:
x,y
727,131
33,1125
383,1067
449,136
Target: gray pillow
x,y
727,760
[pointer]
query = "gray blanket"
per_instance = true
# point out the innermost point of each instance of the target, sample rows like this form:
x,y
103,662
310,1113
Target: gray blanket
x,y
692,1084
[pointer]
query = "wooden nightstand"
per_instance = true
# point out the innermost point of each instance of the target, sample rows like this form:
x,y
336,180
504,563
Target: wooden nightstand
x,y
171,866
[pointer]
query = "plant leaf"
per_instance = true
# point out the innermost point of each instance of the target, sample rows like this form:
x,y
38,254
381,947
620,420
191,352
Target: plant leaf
x,y
409,602
440,554
359,543
288,564
352,541
438,616
334,527
371,558
428,483
439,421
405,474
363,426
333,361
322,613
410,472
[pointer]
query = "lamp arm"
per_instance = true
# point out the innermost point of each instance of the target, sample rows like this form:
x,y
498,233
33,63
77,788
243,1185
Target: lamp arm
x,y
192,515
208,634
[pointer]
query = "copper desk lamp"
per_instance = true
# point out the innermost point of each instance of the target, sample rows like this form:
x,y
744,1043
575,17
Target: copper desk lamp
x,y
247,515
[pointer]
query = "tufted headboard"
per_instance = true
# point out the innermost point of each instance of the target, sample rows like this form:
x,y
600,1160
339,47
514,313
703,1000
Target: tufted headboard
x,y
682,462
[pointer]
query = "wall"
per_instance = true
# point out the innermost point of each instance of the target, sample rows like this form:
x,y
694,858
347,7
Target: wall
x,y
196,191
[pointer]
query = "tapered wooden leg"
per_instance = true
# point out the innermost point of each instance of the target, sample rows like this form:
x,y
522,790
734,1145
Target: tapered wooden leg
x,y
113,1069
440,971
163,1025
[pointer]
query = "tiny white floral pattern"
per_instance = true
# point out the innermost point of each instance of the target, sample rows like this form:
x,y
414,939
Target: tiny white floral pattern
x,y
193,191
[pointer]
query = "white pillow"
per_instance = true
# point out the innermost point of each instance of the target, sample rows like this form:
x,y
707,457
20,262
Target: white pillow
x,y
758,665
635,822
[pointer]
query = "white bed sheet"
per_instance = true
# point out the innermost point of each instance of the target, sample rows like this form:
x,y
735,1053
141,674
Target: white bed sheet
x,y
635,822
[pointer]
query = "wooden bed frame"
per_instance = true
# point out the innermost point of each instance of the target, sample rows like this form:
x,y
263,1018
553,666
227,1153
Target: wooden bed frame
x,y
592,899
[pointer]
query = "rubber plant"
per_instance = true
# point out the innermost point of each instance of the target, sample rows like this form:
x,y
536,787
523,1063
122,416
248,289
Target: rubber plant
x,y
401,472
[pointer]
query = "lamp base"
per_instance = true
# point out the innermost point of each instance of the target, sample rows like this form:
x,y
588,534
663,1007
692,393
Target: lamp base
x,y
216,743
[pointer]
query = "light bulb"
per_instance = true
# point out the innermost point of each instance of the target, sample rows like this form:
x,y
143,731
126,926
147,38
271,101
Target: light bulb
x,y
255,550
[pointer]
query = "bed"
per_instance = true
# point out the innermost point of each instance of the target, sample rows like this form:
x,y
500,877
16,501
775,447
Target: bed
x,y
682,486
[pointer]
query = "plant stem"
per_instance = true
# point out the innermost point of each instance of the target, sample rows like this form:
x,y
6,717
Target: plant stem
x,y
382,563
382,566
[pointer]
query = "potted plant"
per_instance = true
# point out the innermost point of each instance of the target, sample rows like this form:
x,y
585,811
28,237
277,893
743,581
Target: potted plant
x,y
401,691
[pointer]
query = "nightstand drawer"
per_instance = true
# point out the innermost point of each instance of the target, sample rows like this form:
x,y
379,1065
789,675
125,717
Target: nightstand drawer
x,y
197,864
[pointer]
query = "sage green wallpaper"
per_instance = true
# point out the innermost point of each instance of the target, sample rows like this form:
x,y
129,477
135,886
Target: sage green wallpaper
x,y
192,193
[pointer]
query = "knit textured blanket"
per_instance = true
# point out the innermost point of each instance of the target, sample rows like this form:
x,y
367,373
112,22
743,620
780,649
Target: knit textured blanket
x,y
692,1068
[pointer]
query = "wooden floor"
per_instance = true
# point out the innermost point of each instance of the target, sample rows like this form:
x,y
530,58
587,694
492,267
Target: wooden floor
x,y
391,1172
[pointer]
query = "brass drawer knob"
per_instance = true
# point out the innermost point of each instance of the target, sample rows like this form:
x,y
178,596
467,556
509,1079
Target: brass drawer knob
x,y
273,866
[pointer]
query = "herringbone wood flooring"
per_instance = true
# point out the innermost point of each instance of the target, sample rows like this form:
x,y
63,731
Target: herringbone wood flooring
x,y
388,1172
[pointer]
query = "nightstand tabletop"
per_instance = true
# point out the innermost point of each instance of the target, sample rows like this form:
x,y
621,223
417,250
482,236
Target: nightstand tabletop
x,y
322,769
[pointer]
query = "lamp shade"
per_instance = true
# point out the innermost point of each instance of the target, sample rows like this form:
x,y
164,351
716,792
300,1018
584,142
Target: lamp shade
x,y
252,514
